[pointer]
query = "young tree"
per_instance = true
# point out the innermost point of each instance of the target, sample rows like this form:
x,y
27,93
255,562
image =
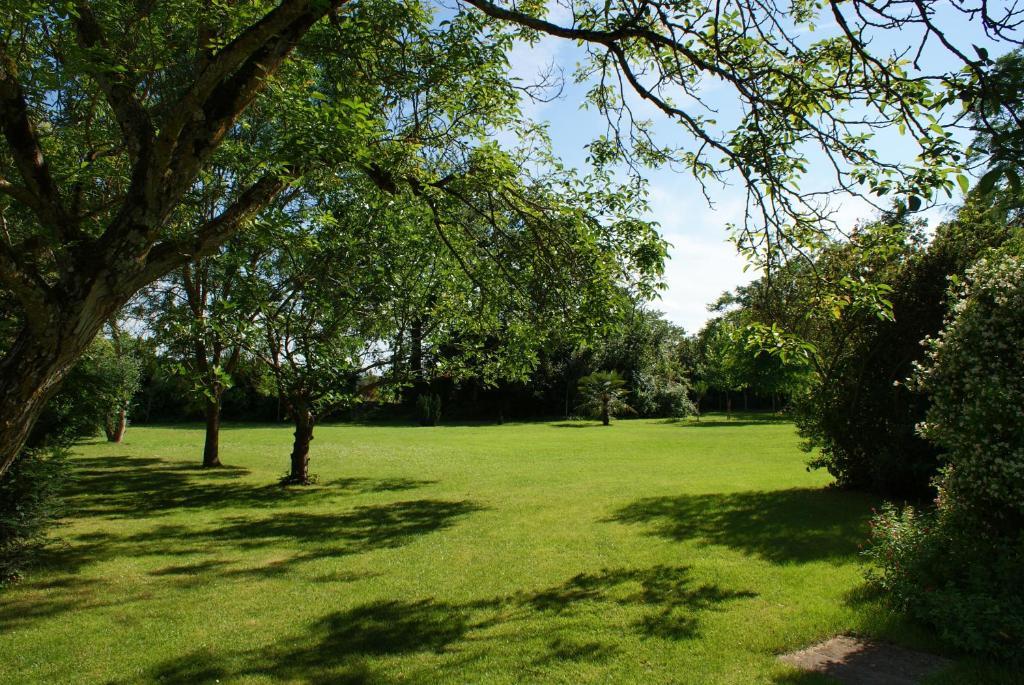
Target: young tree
x,y
201,326
604,395
319,329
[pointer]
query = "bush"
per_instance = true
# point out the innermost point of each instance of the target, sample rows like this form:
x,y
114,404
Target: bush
x,y
29,506
933,566
664,399
92,389
960,567
974,375
860,414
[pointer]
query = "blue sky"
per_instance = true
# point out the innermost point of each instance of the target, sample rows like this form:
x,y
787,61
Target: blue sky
x,y
702,263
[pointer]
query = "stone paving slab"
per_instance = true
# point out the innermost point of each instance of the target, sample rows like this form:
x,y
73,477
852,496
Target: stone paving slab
x,y
853,661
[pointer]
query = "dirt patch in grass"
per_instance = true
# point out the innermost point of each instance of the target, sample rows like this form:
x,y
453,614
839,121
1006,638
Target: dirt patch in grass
x,y
854,661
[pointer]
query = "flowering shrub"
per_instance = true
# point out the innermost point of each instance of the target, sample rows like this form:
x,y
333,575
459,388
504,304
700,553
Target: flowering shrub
x,y
960,567
974,374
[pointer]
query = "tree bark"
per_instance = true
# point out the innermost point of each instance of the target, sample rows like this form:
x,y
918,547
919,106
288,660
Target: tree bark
x,y
304,422
116,425
606,418
33,369
211,448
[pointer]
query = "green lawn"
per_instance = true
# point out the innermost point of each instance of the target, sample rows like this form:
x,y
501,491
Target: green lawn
x,y
647,552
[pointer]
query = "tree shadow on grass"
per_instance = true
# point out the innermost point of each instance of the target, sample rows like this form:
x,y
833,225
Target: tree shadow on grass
x,y
334,649
749,418
295,537
672,601
342,646
291,537
116,486
784,526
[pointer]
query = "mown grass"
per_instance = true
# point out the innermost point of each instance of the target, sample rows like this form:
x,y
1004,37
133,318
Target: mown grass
x,y
646,552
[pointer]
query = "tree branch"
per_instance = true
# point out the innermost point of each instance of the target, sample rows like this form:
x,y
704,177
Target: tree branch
x,y
25,149
132,117
170,254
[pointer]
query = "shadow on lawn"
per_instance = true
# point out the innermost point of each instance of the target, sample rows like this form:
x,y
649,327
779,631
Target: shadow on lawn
x,y
117,486
341,646
290,538
720,420
799,525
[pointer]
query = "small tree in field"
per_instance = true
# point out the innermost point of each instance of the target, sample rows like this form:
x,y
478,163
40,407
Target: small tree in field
x,y
604,395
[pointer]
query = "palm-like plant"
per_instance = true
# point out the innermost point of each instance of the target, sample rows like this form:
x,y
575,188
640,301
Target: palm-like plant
x,y
603,394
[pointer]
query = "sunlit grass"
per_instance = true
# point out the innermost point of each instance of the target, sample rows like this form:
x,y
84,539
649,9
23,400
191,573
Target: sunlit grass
x,y
646,552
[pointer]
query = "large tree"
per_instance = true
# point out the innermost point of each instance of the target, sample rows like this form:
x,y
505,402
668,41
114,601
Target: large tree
x,y
110,111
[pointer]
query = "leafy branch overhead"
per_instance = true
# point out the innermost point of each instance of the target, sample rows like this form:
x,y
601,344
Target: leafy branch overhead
x,y
811,88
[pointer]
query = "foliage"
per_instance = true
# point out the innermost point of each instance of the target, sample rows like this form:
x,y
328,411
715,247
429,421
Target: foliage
x,y
102,382
844,330
29,507
961,567
974,374
603,394
999,143
663,398
935,567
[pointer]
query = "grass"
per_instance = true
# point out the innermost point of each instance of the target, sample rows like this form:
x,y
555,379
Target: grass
x,y
647,552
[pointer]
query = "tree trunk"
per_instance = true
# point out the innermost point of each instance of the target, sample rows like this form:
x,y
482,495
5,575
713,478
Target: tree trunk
x,y
697,408
304,423
606,418
116,424
30,374
211,449
728,405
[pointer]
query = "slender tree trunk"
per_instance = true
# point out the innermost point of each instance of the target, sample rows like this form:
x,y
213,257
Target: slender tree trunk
x,y
116,424
211,449
697,407
304,422
606,418
728,405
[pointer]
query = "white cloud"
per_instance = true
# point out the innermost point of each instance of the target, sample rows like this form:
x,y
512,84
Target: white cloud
x,y
702,265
